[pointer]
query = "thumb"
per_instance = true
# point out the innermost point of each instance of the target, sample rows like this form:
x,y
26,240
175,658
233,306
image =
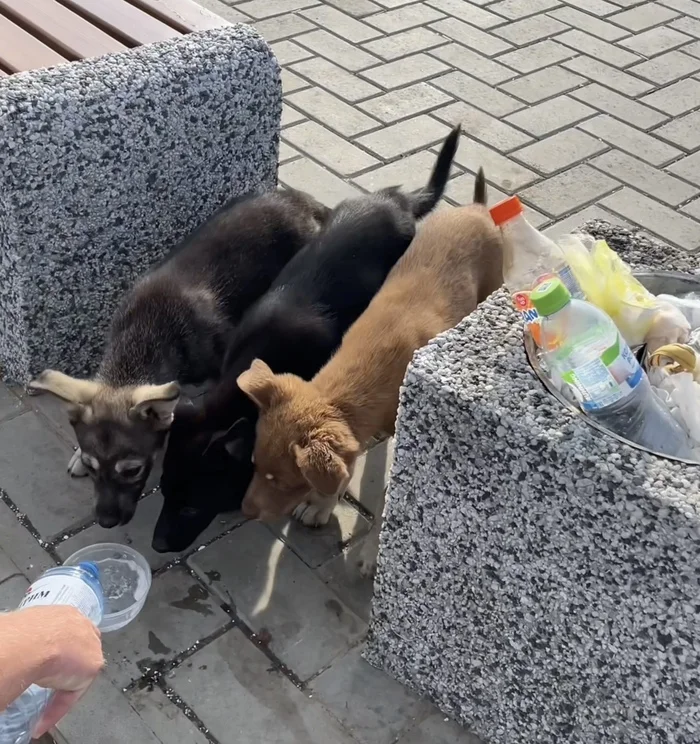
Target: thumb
x,y
61,702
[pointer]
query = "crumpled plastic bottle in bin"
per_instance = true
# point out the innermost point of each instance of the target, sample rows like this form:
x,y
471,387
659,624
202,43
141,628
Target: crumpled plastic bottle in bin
x,y
583,347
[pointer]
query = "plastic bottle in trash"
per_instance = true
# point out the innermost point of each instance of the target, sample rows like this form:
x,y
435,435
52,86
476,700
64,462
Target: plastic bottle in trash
x,y
584,349
529,258
78,586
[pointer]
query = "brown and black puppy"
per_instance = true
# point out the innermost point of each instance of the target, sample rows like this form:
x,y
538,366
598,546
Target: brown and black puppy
x,y
172,329
310,433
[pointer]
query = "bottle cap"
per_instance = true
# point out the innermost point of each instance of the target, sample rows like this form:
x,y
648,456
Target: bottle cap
x,y
550,296
506,210
91,568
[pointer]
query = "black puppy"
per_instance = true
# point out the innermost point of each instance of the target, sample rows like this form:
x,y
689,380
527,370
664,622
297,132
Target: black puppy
x,y
295,328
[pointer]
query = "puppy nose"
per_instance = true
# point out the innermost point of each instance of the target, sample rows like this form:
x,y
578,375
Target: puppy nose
x,y
108,520
160,544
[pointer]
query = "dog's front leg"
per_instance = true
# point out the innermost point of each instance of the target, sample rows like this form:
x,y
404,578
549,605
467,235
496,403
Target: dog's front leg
x,y
317,514
76,468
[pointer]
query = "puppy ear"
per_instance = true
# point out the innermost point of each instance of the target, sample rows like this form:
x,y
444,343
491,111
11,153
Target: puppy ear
x,y
74,391
155,403
322,468
258,383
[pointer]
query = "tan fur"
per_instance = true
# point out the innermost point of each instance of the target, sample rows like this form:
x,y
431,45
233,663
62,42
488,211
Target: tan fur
x,y
454,262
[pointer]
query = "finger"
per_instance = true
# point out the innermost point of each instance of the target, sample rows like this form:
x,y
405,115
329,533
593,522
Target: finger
x,y
59,705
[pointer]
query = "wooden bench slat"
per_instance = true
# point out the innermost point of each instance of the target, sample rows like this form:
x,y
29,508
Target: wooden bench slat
x,y
72,35
124,19
20,51
184,15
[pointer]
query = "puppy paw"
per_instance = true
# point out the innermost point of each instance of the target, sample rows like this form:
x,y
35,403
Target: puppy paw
x,y
367,561
76,468
367,567
313,515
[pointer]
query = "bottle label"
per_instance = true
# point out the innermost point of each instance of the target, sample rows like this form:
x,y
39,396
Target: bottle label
x,y
607,379
531,319
64,590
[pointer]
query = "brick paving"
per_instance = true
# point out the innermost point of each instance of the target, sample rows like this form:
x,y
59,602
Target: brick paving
x,y
586,108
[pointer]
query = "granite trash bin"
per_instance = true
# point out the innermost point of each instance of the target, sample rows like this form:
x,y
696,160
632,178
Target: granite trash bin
x,y
538,580
108,163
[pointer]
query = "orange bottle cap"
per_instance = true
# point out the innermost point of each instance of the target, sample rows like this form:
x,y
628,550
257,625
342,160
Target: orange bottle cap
x,y
506,210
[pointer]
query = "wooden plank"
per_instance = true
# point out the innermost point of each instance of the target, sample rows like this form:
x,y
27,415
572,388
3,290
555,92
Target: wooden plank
x,y
123,20
67,32
20,51
183,15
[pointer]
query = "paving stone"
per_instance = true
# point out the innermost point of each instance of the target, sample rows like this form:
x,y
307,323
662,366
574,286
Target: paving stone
x,y
292,82
266,8
591,24
559,151
544,83
401,19
515,9
571,223
319,545
692,208
406,70
404,43
659,219
277,595
33,465
331,111
105,716
166,720
178,613
346,55
224,11
411,172
537,55
688,168
569,190
596,7
690,7
655,41
31,559
472,37
478,66
667,67
599,72
619,106
287,153
342,83
340,23
10,404
683,23
629,139
461,191
467,11
371,475
530,29
309,176
326,146
405,137
627,3
398,104
437,729
51,411
358,8
290,116
288,52
483,126
373,707
546,117
644,177
469,89
12,592
584,43
676,99
139,533
499,169
342,575
258,705
282,27
693,49
644,16
684,132
400,3
8,568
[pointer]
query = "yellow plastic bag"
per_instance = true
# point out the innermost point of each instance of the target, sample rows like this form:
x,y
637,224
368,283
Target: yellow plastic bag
x,y
607,282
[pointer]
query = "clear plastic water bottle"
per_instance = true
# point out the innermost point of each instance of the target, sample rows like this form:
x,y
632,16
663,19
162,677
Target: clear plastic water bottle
x,y
78,586
584,349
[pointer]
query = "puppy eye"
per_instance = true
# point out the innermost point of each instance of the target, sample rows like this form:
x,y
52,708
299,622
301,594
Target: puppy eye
x,y
89,461
130,470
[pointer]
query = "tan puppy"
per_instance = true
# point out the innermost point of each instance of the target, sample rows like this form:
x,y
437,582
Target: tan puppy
x,y
309,434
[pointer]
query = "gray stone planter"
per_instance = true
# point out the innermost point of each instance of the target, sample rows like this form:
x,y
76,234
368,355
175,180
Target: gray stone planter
x,y
108,163
538,580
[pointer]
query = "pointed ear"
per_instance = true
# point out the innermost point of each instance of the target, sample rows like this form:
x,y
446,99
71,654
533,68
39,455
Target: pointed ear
x,y
322,468
70,389
258,383
155,403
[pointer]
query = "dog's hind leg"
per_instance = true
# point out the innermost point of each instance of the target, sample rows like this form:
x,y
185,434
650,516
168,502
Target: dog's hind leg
x,y
316,515
76,468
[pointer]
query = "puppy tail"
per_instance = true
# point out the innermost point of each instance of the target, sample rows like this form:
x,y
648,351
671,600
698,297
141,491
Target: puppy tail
x,y
424,200
480,188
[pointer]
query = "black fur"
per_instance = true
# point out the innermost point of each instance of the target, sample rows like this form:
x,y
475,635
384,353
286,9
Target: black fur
x,y
295,328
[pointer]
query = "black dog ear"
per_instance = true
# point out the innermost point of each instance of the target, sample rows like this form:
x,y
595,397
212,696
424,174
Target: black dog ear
x,y
233,438
236,448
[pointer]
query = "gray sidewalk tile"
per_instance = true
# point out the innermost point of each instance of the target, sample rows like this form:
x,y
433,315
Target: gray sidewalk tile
x,y
266,8
470,36
483,126
599,72
500,169
417,14
334,78
10,404
25,552
546,117
666,67
676,99
411,172
530,29
404,102
331,111
644,16
321,183
536,56
12,590
357,8
340,23
574,221
404,43
437,729
405,137
405,71
473,63
544,83
688,168
466,11
167,722
337,50
684,132
560,151
589,23
282,27
515,9
655,41
619,106
470,89
581,42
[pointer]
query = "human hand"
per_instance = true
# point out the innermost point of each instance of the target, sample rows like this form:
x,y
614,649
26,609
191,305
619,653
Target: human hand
x,y
72,657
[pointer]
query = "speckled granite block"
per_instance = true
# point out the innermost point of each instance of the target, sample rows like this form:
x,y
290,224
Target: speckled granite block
x,y
539,581
106,164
